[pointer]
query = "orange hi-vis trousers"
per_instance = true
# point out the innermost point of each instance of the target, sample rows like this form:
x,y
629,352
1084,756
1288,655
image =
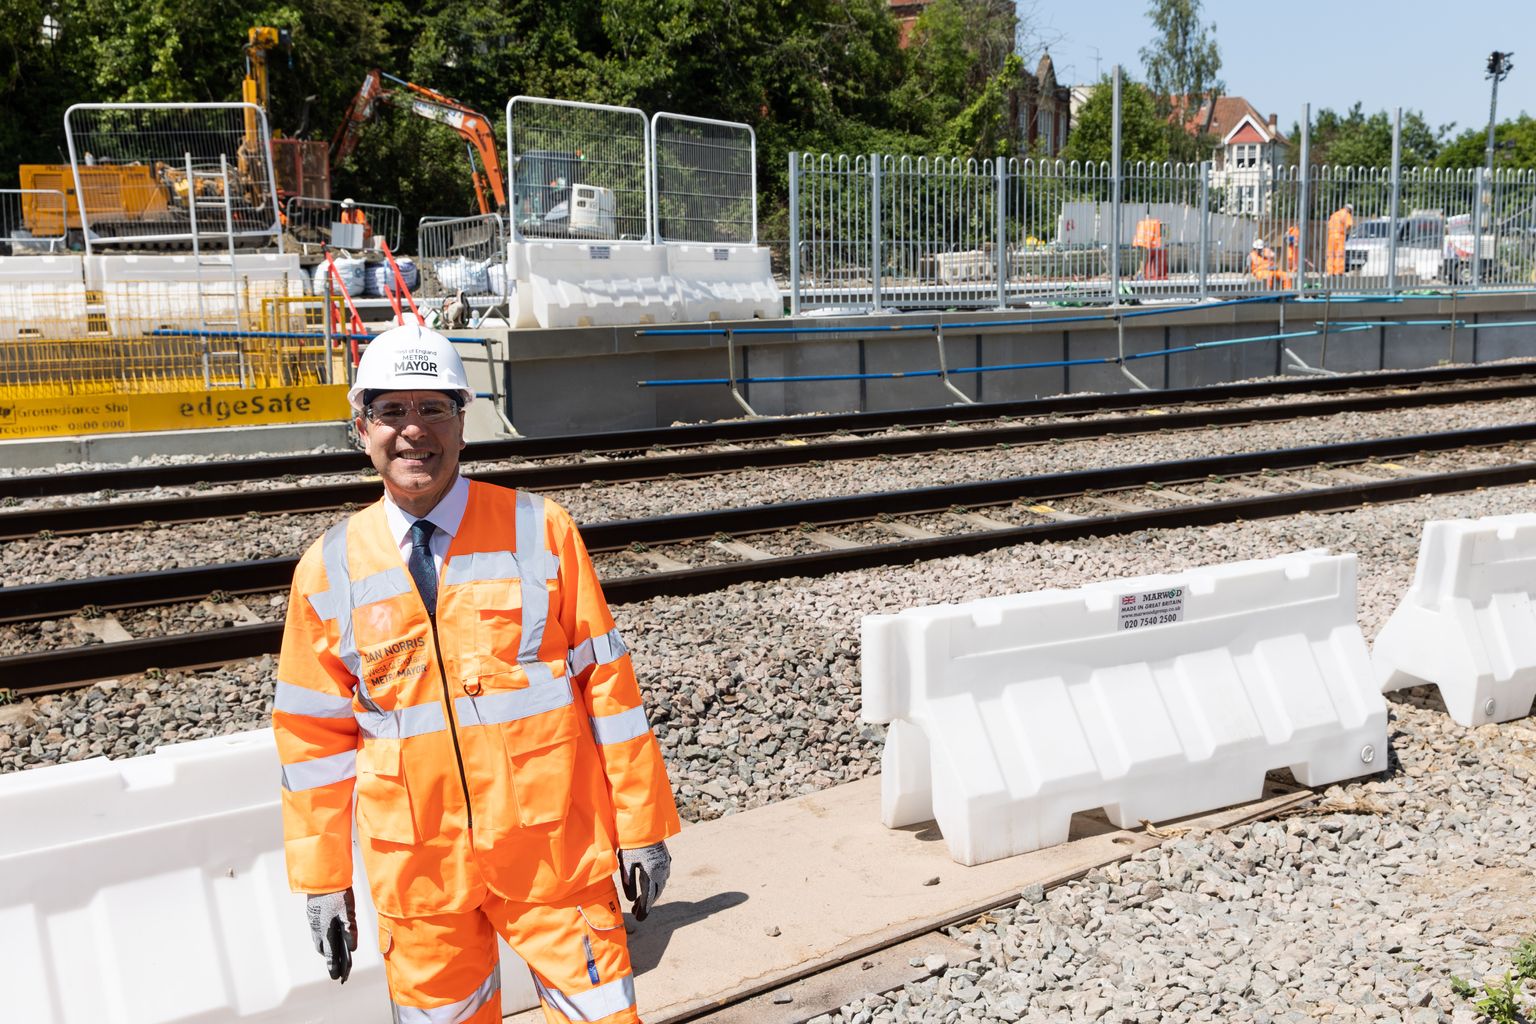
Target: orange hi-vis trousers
x,y
444,969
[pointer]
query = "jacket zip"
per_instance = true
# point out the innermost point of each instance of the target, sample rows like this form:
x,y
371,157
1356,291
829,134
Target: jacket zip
x,y
458,754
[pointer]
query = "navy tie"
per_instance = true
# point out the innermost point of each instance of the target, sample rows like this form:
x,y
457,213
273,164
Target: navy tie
x,y
423,571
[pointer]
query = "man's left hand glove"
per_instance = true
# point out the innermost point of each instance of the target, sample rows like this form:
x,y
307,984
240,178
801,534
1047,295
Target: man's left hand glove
x,y
644,873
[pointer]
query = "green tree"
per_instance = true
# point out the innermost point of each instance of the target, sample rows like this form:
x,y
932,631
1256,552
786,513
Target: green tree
x,y
957,51
1182,65
1355,139
1141,129
1514,145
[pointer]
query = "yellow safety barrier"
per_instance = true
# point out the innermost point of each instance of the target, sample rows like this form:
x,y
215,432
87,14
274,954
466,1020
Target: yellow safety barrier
x,y
228,407
158,337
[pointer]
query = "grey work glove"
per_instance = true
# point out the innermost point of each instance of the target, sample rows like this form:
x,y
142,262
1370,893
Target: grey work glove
x,y
644,873
333,926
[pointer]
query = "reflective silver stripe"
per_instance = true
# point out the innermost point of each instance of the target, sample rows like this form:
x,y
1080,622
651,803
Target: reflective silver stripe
x,y
453,1013
594,1004
625,725
338,602
301,700
381,586
510,705
402,723
481,566
534,568
320,771
600,650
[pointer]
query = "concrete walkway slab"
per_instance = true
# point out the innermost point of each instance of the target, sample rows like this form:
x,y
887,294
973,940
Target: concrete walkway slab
x,y
760,899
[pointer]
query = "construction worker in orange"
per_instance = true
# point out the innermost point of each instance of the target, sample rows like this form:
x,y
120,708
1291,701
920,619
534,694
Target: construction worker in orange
x,y
1340,224
450,667
1293,249
351,213
1261,264
1149,237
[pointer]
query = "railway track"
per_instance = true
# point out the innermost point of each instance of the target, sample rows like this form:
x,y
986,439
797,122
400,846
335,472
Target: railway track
x,y
795,451
798,539
610,443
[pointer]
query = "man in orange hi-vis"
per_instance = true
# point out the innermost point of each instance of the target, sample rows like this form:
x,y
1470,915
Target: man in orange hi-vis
x,y
1149,237
450,664
1293,249
1340,224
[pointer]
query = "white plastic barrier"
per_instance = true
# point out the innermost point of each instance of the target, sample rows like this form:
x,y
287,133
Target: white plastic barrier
x,y
42,297
1467,624
152,890
599,284
1152,698
725,282
146,293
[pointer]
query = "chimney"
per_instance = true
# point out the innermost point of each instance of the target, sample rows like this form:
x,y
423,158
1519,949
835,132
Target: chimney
x,y
1272,119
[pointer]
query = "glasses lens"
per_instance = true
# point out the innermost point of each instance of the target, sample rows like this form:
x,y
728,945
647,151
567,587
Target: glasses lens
x,y
435,410
394,414
388,413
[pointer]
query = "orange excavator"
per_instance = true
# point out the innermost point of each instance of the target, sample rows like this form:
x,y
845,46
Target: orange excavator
x,y
472,126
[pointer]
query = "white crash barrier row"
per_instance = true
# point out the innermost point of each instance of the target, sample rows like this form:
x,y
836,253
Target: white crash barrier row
x,y
1152,698
42,297
161,292
152,890
598,284
731,282
1467,624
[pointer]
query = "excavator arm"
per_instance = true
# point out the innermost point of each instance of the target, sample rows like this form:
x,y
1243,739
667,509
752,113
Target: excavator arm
x,y
472,127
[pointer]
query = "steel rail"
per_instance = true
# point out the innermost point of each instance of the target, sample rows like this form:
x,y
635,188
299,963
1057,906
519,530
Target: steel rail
x,y
136,590
641,440
51,671
124,514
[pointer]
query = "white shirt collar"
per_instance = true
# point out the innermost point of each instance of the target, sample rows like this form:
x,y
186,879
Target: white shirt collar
x,y
446,515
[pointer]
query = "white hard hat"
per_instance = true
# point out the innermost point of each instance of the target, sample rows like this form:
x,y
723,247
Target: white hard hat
x,y
348,202
411,358
1258,243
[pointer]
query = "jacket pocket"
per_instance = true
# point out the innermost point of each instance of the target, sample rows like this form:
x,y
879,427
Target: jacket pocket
x,y
541,750
383,798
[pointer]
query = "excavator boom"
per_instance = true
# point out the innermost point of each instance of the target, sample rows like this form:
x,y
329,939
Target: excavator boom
x,y
471,126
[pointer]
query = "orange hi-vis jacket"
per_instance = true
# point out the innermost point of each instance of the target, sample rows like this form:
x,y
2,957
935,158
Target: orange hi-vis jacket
x,y
500,745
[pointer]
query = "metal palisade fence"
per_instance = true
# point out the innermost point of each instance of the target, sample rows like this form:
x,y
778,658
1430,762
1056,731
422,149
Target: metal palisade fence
x,y
879,231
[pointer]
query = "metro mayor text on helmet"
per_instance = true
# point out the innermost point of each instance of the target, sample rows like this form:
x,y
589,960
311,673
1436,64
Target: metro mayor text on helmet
x,y
410,358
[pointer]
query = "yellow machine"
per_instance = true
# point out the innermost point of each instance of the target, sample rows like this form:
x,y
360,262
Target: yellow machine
x,y
301,167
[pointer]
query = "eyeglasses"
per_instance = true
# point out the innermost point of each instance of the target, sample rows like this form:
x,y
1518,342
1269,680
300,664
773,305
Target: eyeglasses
x,y
393,412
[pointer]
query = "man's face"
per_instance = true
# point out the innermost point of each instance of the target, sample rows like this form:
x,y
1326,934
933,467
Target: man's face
x,y
417,460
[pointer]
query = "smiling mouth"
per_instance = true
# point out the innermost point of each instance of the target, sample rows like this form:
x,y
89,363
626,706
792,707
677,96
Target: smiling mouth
x,y
414,456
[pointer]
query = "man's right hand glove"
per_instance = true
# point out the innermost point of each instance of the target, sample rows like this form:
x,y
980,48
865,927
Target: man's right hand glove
x,y
644,873
333,926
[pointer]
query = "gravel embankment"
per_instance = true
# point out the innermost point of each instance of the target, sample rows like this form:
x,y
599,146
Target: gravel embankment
x,y
1362,912
36,560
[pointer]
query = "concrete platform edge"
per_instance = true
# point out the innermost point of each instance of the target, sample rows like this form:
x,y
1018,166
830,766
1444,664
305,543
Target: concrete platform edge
x,y
96,449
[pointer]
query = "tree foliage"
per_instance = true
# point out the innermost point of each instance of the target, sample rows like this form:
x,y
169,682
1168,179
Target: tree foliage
x,y
1514,145
1182,65
1357,139
806,75
1142,135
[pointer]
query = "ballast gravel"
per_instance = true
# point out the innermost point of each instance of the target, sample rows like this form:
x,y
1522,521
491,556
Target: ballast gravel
x,y
152,547
1360,911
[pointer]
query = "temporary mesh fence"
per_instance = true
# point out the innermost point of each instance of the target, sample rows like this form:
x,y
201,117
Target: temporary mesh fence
x,y
159,172
315,224
465,255
32,221
578,171
706,180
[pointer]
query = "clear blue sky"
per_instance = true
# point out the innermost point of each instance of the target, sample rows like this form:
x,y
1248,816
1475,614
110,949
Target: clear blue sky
x,y
1413,54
